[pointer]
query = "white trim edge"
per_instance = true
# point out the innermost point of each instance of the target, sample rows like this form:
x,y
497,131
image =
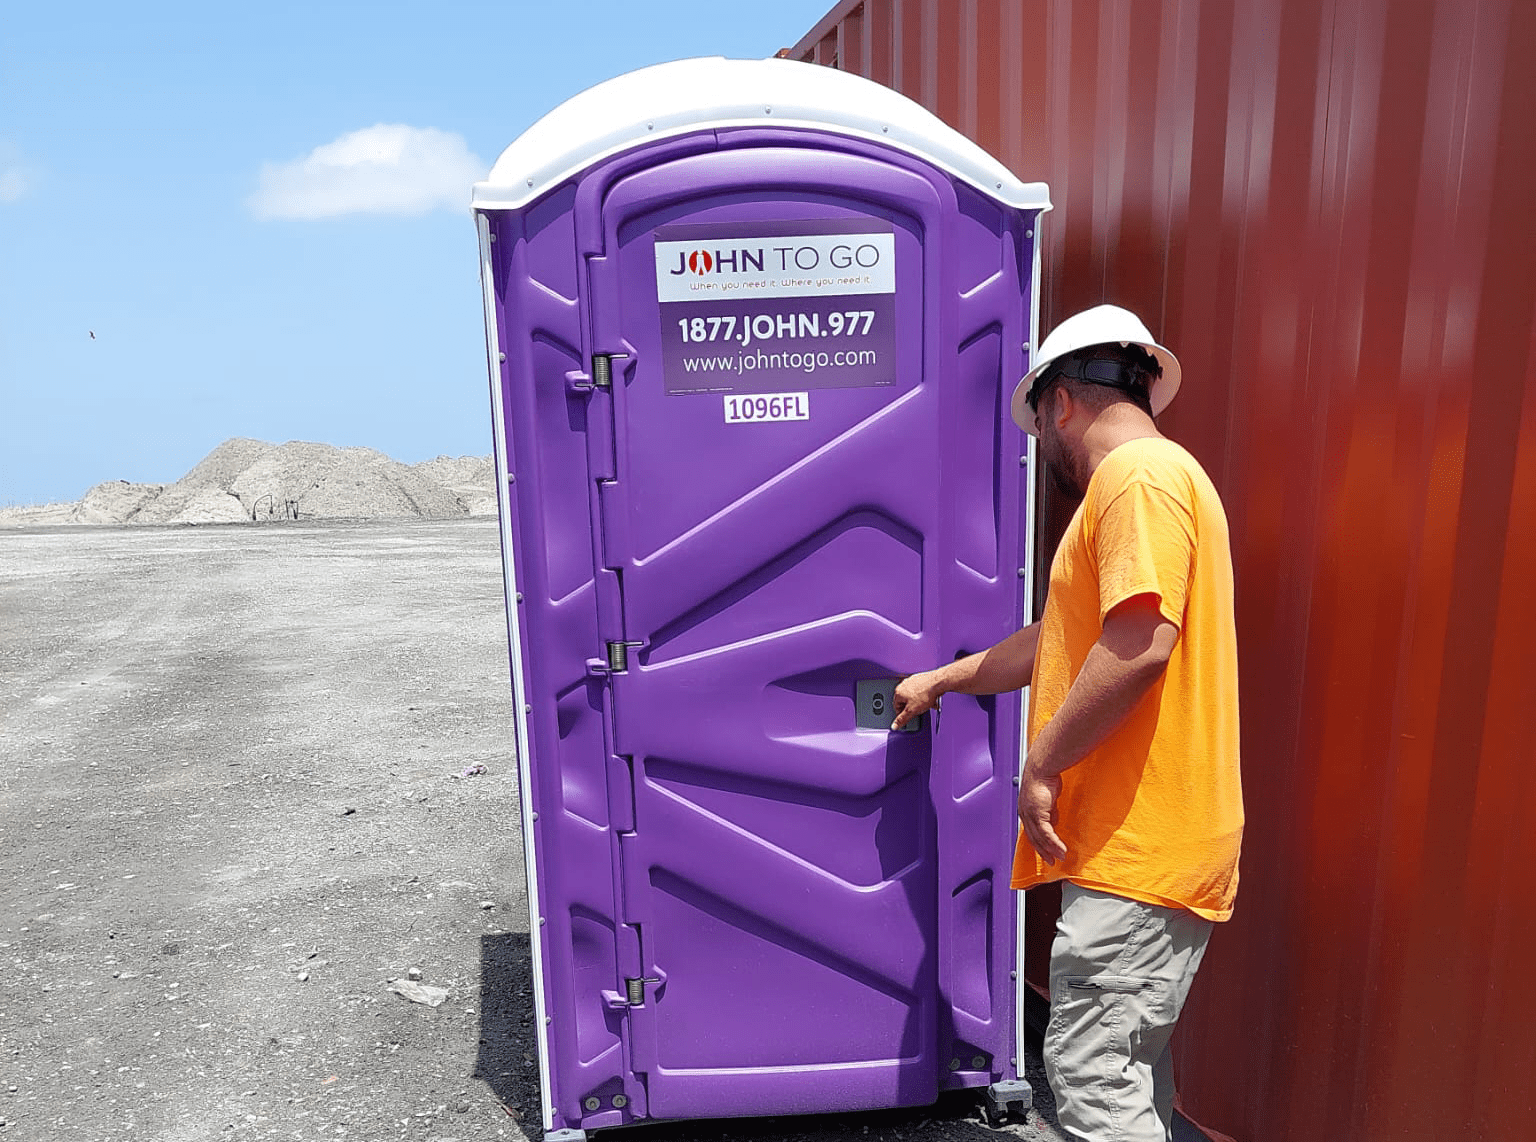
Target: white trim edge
x,y
514,642
1021,981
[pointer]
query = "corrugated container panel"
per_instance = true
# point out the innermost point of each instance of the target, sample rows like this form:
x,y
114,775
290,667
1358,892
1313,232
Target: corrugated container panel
x,y
1325,206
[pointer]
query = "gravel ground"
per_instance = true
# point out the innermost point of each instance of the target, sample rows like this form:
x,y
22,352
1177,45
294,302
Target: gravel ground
x,y
232,815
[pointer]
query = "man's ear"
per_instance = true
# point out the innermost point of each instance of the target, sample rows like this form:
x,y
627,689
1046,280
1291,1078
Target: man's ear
x,y
1062,406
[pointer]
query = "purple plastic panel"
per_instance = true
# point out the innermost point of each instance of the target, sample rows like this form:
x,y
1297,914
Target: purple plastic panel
x,y
812,916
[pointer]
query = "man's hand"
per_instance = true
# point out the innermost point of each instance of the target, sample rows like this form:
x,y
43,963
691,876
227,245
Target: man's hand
x,y
916,694
1037,813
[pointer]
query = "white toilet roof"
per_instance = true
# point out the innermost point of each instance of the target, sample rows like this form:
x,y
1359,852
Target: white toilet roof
x,y
676,98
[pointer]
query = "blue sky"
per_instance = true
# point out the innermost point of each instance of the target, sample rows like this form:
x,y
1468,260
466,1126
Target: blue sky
x,y
261,212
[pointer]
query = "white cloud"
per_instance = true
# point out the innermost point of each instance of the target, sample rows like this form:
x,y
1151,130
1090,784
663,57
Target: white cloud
x,y
17,175
386,169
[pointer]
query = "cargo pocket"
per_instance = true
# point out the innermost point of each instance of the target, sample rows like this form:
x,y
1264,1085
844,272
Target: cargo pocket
x,y
1109,984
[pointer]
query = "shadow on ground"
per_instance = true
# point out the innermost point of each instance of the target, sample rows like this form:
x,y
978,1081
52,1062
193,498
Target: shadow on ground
x,y
508,1059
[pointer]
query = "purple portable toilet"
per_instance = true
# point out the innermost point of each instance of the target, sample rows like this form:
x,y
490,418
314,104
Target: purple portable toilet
x,y
753,326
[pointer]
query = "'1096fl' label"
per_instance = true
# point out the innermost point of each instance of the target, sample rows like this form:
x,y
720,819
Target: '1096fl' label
x,y
744,409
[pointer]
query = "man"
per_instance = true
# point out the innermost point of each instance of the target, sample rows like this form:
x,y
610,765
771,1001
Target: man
x,y
1130,792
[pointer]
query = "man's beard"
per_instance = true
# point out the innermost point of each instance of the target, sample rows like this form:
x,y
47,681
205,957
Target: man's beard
x,y
1064,481
1066,468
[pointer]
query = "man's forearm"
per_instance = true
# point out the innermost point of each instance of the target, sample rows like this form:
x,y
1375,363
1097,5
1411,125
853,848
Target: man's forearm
x,y
1004,667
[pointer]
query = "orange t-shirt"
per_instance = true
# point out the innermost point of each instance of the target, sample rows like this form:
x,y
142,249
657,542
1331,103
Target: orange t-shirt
x,y
1155,813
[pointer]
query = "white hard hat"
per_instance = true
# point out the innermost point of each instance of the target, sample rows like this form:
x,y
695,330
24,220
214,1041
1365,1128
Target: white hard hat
x,y
1101,325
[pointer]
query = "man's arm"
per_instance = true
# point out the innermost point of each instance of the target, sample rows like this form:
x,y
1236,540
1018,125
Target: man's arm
x,y
1006,666
1129,657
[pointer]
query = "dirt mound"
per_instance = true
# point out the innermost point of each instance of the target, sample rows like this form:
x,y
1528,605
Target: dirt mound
x,y
244,480
471,478
114,502
455,471
38,515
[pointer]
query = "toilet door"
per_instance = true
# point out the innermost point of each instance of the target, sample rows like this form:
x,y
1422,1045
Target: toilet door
x,y
774,522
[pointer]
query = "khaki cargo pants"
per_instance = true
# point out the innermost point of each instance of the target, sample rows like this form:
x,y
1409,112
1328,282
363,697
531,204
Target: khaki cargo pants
x,y
1120,971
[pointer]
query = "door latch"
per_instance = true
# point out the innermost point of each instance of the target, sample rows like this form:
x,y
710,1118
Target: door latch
x,y
874,706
